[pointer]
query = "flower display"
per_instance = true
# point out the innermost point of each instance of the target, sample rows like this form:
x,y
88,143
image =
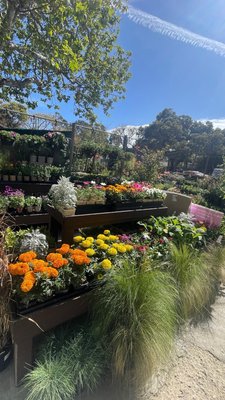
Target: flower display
x,y
132,191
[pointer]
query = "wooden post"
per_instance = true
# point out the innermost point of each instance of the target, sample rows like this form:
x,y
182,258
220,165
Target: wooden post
x,y
72,145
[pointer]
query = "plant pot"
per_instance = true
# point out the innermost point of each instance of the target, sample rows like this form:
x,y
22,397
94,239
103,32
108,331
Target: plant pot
x,y
26,178
5,178
5,355
33,158
30,209
12,178
67,212
33,178
41,160
19,178
49,160
40,179
37,208
19,210
47,178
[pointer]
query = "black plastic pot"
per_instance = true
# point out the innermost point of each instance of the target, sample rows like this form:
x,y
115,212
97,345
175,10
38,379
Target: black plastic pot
x,y
5,355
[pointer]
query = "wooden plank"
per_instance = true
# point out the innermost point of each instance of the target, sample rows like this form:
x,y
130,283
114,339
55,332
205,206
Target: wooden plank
x,y
31,219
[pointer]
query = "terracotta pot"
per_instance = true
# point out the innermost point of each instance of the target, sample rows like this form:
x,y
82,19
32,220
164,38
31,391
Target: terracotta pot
x,y
33,158
26,178
12,178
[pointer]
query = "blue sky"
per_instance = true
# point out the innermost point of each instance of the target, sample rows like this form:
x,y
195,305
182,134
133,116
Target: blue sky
x,y
168,72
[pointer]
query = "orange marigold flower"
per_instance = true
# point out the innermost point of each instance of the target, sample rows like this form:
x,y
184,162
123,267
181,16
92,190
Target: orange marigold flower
x,y
20,268
64,249
80,259
51,272
30,276
39,265
26,285
28,256
77,252
53,256
57,263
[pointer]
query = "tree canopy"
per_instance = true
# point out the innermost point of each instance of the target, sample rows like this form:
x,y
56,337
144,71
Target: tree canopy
x,y
60,49
185,140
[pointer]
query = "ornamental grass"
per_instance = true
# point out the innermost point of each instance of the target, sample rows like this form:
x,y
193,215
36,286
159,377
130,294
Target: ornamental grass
x,y
196,275
135,312
69,361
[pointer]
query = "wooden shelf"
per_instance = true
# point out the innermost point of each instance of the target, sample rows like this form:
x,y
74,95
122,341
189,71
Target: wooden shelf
x,y
31,219
64,227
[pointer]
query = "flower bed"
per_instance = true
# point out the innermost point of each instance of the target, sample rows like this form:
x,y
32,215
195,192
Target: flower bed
x,y
132,191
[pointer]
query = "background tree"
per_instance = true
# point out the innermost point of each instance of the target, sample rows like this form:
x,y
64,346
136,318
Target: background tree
x,y
62,48
12,115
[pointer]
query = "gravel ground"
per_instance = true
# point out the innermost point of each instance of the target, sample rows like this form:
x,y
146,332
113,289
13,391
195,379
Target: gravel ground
x,y
196,370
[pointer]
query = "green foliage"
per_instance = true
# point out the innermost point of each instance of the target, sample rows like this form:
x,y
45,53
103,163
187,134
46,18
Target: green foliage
x,y
70,361
135,311
147,167
13,240
12,115
59,48
195,278
179,229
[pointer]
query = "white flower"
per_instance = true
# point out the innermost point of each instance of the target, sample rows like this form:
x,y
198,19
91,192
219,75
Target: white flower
x,y
92,182
103,184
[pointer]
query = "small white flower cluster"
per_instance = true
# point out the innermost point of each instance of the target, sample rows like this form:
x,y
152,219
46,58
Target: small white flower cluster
x,y
154,193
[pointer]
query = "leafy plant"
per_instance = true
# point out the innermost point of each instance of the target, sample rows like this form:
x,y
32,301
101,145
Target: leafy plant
x,y
36,241
63,194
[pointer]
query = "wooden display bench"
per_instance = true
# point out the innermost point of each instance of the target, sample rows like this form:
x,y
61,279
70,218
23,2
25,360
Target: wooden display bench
x,y
30,219
26,327
63,228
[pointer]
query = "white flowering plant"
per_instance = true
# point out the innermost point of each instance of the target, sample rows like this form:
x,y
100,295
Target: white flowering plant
x,y
63,194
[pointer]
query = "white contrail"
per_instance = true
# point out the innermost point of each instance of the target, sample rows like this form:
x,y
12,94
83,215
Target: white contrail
x,y
175,32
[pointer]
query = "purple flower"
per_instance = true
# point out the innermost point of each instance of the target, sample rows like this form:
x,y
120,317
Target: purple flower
x,y
124,238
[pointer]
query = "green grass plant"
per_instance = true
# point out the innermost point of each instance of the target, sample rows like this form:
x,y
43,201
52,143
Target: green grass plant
x,y
136,313
70,360
195,277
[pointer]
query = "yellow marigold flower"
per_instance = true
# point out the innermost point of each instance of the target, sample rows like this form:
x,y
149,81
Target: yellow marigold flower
x,y
90,252
129,247
90,238
99,242
106,264
115,245
106,232
121,248
113,238
104,246
101,236
112,251
28,256
78,239
86,244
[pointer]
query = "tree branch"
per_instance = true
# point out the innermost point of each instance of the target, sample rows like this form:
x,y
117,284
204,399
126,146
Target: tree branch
x,y
19,84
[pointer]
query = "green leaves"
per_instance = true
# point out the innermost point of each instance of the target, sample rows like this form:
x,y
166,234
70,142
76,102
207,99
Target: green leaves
x,y
61,47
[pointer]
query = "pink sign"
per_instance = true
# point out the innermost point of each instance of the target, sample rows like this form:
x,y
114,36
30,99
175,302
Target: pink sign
x,y
211,218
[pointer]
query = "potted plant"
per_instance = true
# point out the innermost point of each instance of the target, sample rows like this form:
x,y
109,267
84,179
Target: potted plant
x,y
37,204
26,172
15,199
5,293
30,203
63,196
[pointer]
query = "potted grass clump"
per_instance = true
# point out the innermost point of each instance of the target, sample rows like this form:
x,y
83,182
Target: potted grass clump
x,y
63,196
5,291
